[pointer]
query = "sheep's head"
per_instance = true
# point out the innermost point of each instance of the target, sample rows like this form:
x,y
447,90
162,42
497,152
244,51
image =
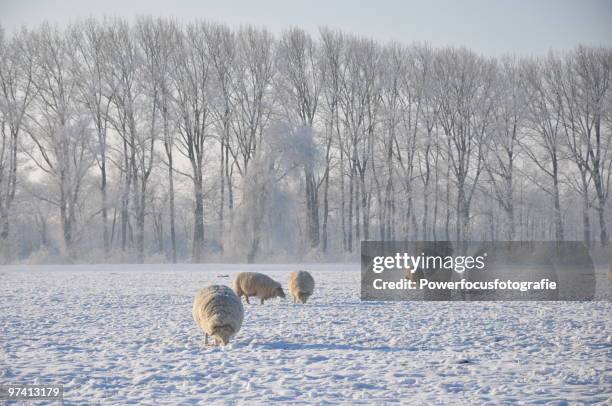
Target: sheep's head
x,y
303,297
279,292
223,334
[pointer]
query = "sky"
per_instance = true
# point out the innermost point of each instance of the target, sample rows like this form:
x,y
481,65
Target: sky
x,y
493,27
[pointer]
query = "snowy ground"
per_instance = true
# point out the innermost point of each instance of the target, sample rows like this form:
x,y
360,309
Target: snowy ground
x,y
114,334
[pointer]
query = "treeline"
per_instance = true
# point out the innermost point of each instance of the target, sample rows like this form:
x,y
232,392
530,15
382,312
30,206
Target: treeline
x,y
155,140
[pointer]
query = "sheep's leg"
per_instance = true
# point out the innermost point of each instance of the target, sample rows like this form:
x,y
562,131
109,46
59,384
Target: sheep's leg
x,y
246,297
262,300
205,339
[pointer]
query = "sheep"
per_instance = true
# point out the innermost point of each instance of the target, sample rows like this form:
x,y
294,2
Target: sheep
x,y
413,276
301,286
218,312
257,284
409,275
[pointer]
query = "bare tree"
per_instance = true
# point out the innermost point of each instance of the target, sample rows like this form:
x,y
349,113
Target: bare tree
x,y
465,97
90,42
508,117
253,108
58,130
332,55
428,149
222,53
585,88
193,95
383,173
160,39
543,144
136,118
169,33
359,102
306,145
413,104
16,92
300,82
566,87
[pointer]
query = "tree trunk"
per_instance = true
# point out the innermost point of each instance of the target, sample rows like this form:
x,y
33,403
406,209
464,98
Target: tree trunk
x,y
125,198
64,215
257,217
434,221
511,228
599,186
222,205
325,194
447,220
557,205
140,223
104,209
198,231
586,221
172,208
424,228
357,212
230,189
312,208
424,225
365,206
342,200
459,213
5,250
350,211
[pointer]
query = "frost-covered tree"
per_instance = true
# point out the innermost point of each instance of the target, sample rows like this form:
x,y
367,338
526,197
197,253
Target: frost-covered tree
x,y
465,96
89,40
503,149
58,129
584,88
193,103
543,143
254,102
16,93
221,43
155,139
299,84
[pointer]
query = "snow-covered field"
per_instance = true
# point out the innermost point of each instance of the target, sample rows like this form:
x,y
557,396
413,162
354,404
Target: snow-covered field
x,y
113,334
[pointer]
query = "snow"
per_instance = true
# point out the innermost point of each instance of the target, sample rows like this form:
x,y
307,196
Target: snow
x,y
124,333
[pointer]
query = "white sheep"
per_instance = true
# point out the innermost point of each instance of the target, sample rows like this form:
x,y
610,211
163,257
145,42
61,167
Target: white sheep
x,y
257,284
218,312
301,286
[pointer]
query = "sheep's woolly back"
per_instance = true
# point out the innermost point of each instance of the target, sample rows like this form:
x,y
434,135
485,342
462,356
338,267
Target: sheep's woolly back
x,y
255,284
217,308
301,285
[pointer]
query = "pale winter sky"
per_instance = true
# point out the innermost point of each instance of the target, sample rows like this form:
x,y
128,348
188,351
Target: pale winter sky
x,y
523,27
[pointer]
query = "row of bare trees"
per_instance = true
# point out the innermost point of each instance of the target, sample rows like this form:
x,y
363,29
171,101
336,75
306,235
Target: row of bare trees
x,y
120,141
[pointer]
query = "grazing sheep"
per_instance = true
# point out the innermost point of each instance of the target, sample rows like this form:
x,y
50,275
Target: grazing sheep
x,y
413,276
409,275
257,284
218,312
301,286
